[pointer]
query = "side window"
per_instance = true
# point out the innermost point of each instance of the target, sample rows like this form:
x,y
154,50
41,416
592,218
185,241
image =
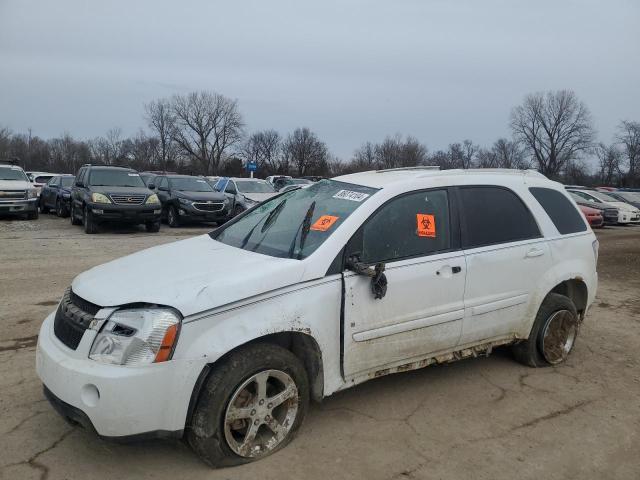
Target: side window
x,y
220,185
492,215
231,187
80,177
54,181
412,225
163,182
561,211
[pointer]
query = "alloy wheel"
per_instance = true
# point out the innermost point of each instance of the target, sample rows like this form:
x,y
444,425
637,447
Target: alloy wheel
x,y
558,336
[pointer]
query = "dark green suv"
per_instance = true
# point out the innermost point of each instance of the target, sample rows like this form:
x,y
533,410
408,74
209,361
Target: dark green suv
x,y
112,194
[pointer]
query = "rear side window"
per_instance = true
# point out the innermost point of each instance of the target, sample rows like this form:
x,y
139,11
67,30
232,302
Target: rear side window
x,y
561,211
492,215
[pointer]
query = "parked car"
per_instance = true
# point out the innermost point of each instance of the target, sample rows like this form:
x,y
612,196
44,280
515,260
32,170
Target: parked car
x,y
632,198
294,186
593,216
286,182
190,199
56,195
272,179
609,213
626,213
40,179
244,193
18,196
112,194
149,176
225,337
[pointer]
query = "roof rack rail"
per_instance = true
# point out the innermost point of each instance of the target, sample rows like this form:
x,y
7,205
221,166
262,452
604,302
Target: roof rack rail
x,y
400,169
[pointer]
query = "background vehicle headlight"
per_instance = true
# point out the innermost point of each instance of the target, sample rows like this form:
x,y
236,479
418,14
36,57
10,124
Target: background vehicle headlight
x,y
184,201
226,201
137,337
99,198
153,198
32,193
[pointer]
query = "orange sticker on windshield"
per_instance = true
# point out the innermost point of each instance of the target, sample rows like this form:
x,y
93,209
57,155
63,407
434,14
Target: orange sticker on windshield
x,y
426,225
324,223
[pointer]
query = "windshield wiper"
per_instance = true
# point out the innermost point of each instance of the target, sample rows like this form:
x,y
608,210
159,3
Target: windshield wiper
x,y
305,226
269,219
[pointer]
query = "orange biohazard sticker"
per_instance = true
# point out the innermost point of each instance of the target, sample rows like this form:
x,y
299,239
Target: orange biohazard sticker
x,y
426,225
324,223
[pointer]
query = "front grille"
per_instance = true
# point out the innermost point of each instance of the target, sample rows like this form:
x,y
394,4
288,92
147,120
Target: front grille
x,y
611,212
128,199
208,207
73,317
13,194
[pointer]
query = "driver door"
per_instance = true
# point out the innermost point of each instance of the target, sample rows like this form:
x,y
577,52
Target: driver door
x,y
417,237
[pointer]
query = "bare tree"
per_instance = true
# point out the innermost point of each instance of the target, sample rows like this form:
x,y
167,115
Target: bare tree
x,y
502,154
364,158
308,154
161,120
264,148
463,155
629,136
208,124
555,127
609,158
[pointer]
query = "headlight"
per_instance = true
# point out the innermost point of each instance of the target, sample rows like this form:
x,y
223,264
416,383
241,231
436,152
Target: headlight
x,y
99,198
66,195
32,193
137,337
153,199
184,201
226,201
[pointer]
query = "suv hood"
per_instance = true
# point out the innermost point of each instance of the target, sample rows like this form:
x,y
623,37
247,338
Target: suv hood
x,y
15,185
191,276
259,197
202,196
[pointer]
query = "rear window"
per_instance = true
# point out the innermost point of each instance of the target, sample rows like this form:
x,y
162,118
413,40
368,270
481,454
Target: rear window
x,y
561,211
492,215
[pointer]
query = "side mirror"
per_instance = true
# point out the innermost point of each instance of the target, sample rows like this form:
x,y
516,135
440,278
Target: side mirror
x,y
151,186
378,278
232,191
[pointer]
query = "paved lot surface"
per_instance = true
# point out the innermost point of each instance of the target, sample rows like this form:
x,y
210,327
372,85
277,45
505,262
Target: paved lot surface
x,y
485,418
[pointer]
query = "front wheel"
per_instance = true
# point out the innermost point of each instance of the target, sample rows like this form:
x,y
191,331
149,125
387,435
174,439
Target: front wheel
x,y
172,217
251,405
237,210
90,225
43,207
73,215
152,227
553,334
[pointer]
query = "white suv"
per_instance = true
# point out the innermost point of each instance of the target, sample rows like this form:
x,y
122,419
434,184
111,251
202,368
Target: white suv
x,y
226,337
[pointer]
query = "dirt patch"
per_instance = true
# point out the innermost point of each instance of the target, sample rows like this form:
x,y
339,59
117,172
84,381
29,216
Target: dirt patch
x,y
19,343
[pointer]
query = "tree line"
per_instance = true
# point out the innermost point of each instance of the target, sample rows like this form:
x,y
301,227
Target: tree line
x,y
204,133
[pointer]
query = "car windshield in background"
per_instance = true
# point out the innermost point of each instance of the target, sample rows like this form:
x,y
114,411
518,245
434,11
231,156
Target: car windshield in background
x,y
630,196
604,197
67,181
296,223
115,178
12,174
43,179
248,186
190,184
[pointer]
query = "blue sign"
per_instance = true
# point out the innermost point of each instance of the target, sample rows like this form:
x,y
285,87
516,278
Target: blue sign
x,y
252,166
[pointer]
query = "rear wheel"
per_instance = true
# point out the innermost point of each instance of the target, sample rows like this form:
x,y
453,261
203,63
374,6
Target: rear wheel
x,y
172,217
251,405
553,334
90,225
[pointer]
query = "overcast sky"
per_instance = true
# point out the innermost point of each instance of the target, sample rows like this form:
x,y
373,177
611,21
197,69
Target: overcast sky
x,y
352,71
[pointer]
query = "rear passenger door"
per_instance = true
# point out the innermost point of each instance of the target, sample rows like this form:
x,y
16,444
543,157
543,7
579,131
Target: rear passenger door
x,y
506,256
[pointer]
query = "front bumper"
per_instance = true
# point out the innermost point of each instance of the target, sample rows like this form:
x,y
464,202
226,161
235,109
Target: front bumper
x,y
19,206
114,400
189,212
109,212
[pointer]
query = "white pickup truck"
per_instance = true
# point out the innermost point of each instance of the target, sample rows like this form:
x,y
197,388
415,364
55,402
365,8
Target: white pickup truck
x,y
18,196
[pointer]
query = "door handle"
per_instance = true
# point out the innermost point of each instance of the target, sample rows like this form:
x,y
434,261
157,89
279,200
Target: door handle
x,y
456,269
534,252
447,271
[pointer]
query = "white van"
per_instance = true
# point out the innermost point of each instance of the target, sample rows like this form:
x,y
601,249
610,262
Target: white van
x,y
225,337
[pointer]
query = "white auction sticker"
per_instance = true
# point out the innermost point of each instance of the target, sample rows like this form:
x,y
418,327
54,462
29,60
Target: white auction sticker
x,y
351,195
134,175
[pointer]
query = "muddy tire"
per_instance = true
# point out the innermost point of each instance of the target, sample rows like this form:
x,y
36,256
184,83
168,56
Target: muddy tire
x,y
553,334
255,392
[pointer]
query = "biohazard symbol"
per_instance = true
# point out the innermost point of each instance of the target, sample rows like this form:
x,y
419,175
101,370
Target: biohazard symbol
x,y
426,225
324,223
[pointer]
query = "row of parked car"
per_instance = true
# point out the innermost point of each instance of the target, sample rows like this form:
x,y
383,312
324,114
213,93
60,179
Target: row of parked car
x,y
607,205
106,194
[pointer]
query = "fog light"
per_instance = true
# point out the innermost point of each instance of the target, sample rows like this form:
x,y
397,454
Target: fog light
x,y
181,212
98,211
157,212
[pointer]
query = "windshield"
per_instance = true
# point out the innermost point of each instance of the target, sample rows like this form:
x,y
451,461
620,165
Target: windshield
x,y
248,186
12,174
43,179
190,184
630,196
67,181
115,178
296,223
604,197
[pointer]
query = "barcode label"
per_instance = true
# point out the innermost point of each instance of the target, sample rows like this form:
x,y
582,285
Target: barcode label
x,y
351,195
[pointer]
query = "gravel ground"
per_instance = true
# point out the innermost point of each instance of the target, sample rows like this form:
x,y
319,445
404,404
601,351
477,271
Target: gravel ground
x,y
486,418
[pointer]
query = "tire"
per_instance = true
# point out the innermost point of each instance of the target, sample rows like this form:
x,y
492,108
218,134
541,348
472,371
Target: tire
x,y
152,227
553,334
32,215
43,207
172,217
61,209
237,210
74,218
90,225
215,439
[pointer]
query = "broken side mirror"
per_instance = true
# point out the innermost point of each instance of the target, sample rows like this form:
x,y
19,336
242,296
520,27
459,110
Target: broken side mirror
x,y
378,278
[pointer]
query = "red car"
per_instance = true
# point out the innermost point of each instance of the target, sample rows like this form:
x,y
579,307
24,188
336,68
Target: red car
x,y
593,216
